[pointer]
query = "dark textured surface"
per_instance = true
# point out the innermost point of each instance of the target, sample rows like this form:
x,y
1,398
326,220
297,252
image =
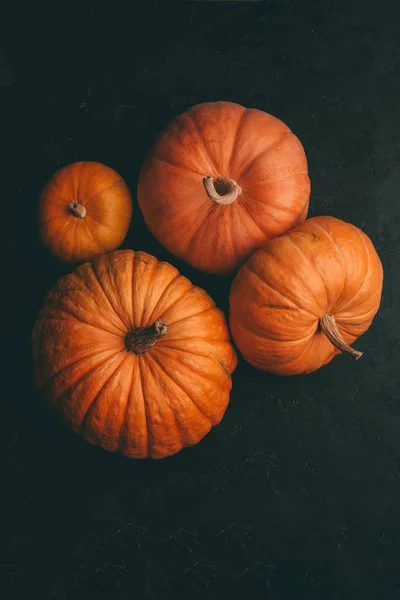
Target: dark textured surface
x,y
297,493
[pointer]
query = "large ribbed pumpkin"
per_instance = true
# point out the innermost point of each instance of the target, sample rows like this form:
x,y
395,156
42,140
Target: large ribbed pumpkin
x,y
306,297
221,181
85,209
132,356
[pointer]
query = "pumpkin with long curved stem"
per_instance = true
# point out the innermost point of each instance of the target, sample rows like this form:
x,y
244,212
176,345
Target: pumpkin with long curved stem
x,y
132,356
306,297
84,210
220,182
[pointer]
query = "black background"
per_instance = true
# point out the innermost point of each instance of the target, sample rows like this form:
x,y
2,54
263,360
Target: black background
x,y
296,494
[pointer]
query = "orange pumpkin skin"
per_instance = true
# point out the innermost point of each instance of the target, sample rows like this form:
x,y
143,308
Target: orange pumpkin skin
x,y
138,401
84,210
252,160
281,296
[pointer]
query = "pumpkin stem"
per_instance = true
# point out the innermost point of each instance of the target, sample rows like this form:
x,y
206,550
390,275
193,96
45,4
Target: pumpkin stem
x,y
222,190
329,328
77,209
141,339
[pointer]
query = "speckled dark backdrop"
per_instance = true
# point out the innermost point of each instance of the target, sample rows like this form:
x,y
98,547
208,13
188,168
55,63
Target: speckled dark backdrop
x,y
297,493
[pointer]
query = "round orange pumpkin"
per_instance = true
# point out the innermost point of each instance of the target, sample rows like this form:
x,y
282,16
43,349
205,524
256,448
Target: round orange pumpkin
x,y
306,297
221,181
84,210
132,356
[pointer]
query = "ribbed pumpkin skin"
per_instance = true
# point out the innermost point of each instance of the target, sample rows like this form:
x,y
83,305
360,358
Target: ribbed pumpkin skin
x,y
151,404
223,139
106,200
323,266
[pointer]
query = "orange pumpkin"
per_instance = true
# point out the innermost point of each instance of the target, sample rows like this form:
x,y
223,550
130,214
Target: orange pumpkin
x,y
132,356
306,297
220,182
84,210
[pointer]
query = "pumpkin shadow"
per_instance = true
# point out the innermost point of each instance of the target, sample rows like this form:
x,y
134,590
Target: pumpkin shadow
x,y
57,455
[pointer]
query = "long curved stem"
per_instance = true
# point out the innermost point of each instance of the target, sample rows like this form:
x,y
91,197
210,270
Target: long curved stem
x,y
329,328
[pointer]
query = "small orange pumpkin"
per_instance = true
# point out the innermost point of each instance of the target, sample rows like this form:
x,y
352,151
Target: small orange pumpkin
x,y
132,356
306,297
221,181
84,210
